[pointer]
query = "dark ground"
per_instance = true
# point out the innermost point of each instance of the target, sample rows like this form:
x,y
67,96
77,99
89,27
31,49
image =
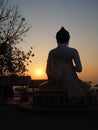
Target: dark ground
x,y
13,118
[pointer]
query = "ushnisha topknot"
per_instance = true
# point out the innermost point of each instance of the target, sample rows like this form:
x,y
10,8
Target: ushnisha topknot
x,y
62,35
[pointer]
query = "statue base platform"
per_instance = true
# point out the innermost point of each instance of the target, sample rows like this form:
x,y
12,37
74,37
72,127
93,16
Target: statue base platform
x,y
57,102
59,99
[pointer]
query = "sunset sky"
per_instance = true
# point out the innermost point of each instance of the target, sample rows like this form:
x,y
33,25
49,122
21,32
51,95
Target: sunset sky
x,y
79,17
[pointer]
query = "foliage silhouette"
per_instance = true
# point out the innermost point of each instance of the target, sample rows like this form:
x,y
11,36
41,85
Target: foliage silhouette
x,y
13,28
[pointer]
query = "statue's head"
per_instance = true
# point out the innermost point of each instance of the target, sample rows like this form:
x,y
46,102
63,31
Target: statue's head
x,y
62,36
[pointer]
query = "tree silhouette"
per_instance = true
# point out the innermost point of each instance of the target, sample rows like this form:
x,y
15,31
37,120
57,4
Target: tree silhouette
x,y
13,28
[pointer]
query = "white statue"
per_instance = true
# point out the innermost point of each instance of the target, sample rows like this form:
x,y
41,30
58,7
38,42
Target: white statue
x,y
62,64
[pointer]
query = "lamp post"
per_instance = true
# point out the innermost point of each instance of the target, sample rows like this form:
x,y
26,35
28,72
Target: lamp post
x,y
1,74
1,67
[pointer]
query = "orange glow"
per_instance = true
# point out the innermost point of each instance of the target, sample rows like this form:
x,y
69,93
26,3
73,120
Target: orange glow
x,y
38,72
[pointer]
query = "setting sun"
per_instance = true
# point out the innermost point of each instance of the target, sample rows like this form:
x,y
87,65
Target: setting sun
x,y
38,72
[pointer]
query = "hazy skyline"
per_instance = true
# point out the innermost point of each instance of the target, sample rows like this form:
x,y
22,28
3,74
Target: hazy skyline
x,y
46,17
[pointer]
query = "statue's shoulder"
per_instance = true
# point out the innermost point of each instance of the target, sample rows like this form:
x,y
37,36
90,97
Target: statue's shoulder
x,y
54,50
73,50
